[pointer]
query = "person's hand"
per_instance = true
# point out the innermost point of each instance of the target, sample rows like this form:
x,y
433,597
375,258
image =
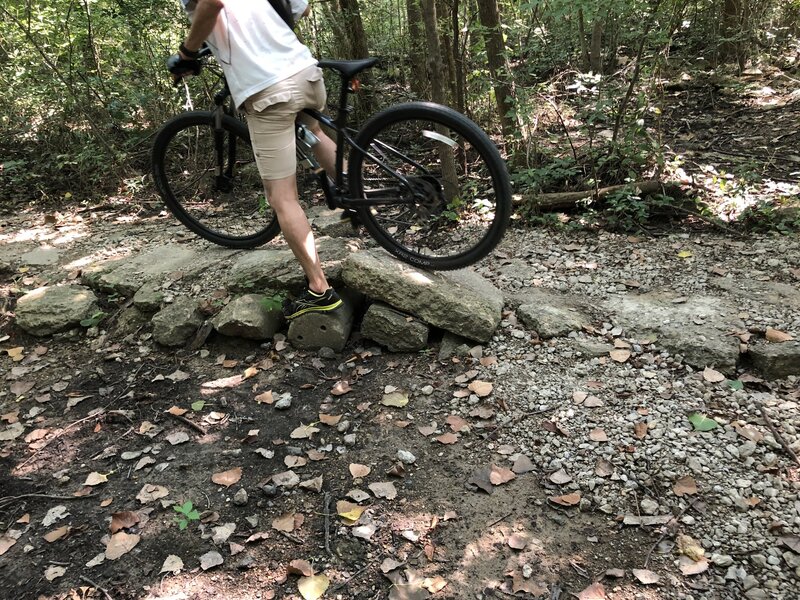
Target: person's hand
x,y
181,67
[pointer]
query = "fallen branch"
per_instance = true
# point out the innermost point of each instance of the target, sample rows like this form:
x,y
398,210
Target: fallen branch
x,y
188,423
328,523
97,587
777,434
561,200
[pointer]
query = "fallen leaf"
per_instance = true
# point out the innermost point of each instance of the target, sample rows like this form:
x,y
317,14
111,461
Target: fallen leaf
x,y
6,542
314,484
685,254
560,477
620,355
523,464
685,486
95,478
598,435
566,500
150,492
640,430
776,336
172,564
500,475
54,572
121,543
300,567
331,420
56,513
596,591
340,388
427,430
210,559
198,405
482,412
287,479
265,398
447,438
645,576
702,423
480,388
517,542
56,534
713,376
749,432
579,396
235,548
18,388
294,462
435,584
358,471
221,533
10,417
123,520
179,412
390,564
227,478
178,437
457,424
11,432
593,402
349,512
616,573
688,546
383,490
304,432
396,399
312,588
792,542
690,567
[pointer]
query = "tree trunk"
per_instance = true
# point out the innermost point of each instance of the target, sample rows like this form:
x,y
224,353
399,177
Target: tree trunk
x,y
458,62
495,49
419,84
596,47
435,68
354,28
584,46
448,50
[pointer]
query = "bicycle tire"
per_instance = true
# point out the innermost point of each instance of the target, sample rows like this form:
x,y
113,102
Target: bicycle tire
x,y
465,207
233,213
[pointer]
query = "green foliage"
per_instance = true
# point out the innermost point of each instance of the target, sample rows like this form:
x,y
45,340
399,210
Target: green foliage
x,y
274,302
627,210
782,216
94,320
187,514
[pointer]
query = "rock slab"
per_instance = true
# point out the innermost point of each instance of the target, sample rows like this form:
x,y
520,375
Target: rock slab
x,y
550,314
176,323
393,329
461,302
330,329
776,361
248,317
48,310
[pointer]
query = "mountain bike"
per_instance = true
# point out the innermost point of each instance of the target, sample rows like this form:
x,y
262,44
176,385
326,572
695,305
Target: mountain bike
x,y
425,181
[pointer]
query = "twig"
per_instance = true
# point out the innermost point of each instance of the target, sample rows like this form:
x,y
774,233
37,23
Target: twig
x,y
495,522
188,423
93,584
349,579
289,536
8,500
777,434
666,529
327,523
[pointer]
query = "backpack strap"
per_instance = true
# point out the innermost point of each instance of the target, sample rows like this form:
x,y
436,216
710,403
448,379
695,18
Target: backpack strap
x,y
284,10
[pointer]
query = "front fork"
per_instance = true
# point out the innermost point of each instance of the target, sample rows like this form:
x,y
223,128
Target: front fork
x,y
223,170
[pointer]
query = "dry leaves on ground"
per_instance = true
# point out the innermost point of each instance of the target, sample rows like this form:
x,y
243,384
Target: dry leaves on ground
x,y
227,478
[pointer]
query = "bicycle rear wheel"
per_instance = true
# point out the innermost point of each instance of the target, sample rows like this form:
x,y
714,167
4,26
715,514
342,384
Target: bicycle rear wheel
x,y
228,208
440,191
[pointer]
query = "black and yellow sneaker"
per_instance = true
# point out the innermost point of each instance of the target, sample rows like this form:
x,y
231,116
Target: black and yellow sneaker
x,y
310,301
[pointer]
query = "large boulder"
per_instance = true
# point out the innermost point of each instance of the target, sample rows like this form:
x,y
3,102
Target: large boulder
x,y
48,310
461,302
176,323
393,329
249,317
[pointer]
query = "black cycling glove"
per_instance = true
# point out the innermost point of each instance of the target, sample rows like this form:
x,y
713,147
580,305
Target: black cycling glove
x,y
181,67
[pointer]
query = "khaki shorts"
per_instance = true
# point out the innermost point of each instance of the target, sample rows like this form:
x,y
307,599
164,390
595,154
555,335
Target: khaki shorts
x,y
271,115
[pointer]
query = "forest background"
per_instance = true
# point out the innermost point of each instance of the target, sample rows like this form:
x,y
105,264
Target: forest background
x,y
581,95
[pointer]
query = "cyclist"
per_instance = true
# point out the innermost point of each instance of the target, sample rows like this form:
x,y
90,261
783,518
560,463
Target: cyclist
x,y
271,76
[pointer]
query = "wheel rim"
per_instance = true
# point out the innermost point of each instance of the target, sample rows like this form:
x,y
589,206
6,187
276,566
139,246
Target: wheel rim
x,y
233,206
451,194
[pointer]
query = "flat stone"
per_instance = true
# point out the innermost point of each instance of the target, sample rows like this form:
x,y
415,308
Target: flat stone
x,y
127,275
271,271
41,257
51,309
248,317
393,329
329,222
550,314
149,297
658,315
130,320
331,329
453,345
176,323
776,361
461,302
770,292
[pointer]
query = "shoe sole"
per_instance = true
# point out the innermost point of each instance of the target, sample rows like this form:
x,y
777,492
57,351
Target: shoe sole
x,y
313,309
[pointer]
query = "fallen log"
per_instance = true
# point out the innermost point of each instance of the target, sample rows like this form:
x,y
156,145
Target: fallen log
x,y
564,200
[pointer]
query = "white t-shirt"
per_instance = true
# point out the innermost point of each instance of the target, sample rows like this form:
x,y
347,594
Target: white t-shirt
x,y
254,46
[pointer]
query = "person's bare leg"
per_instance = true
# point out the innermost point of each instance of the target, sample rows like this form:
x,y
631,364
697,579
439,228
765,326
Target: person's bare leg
x,y
282,195
325,151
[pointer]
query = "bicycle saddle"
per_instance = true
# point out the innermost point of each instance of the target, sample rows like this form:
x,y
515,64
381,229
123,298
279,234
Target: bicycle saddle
x,y
348,68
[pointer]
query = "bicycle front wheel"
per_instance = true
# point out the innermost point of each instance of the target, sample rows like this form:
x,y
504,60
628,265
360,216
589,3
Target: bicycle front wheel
x,y
438,190
209,180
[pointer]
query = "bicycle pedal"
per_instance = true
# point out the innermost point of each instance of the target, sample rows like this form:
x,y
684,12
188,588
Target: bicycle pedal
x,y
352,216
